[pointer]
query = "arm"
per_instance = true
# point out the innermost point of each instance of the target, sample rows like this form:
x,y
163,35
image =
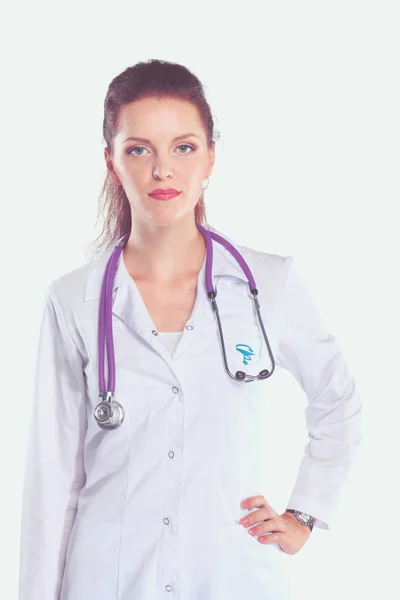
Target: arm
x,y
54,472
333,413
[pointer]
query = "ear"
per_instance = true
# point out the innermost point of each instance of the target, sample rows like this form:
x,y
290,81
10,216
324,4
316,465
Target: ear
x,y
211,160
110,167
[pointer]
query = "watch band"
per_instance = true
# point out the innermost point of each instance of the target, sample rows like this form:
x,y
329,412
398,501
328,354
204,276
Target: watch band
x,y
303,518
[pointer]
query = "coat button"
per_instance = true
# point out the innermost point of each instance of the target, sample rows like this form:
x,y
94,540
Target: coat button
x,y
166,520
168,588
171,454
189,327
175,390
154,332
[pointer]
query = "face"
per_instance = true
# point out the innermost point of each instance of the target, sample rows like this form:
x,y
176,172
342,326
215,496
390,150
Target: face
x,y
159,159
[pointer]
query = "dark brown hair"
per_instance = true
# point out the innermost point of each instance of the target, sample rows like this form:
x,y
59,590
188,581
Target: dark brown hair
x,y
153,78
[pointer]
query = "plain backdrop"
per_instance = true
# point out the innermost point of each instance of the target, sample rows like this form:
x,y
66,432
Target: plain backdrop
x,y
305,96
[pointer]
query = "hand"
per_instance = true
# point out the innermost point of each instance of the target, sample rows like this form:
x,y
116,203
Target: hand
x,y
287,531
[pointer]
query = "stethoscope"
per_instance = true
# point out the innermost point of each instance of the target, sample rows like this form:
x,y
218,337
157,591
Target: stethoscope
x,y
109,413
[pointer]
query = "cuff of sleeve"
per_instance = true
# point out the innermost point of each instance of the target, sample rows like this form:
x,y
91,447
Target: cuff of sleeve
x,y
325,516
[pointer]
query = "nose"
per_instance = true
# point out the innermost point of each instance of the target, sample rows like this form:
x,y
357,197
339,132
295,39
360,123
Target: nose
x,y
162,168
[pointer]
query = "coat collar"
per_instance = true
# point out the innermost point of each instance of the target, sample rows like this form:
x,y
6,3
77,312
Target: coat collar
x,y
224,264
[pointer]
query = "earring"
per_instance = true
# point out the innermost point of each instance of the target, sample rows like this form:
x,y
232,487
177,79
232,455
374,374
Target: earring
x,y
204,188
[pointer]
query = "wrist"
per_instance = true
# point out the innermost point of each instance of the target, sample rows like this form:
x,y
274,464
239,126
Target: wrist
x,y
302,518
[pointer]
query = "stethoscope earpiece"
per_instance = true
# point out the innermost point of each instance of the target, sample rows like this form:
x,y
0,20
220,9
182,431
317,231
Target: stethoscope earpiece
x,y
264,373
241,375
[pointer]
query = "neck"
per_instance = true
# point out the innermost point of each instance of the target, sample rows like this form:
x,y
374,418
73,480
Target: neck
x,y
164,253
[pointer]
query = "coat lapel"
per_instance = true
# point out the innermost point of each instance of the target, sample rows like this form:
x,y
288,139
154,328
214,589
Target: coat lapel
x,y
128,304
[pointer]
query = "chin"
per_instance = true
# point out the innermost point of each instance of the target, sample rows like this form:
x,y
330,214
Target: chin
x,y
170,217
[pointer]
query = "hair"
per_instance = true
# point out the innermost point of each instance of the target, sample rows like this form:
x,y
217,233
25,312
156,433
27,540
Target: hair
x,y
153,78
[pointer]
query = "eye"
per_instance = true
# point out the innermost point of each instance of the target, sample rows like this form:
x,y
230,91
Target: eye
x,y
186,146
129,150
132,153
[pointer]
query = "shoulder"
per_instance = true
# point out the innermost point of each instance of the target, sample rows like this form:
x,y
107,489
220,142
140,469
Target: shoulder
x,y
266,262
265,266
69,290
269,270
71,285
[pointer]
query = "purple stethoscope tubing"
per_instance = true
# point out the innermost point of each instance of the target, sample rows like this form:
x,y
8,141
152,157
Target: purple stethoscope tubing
x,y
109,413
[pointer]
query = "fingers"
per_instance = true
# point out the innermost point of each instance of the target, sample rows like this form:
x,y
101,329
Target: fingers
x,y
254,502
265,510
256,516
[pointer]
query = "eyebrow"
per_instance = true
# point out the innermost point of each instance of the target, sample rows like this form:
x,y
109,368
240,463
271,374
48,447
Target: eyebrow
x,y
145,141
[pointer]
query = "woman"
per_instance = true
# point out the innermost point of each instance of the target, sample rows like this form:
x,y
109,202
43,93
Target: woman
x,y
152,504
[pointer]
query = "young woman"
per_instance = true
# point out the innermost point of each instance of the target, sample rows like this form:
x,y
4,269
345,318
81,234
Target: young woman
x,y
137,476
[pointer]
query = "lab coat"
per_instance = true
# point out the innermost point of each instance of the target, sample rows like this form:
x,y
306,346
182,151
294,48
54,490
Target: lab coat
x,y
150,511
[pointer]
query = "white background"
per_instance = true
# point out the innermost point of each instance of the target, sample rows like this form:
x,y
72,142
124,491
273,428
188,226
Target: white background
x,y
306,99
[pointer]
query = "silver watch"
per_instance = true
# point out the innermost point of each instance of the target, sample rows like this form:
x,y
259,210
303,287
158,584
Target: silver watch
x,y
303,518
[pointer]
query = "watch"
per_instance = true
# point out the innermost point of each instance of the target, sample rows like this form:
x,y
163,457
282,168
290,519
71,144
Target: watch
x,y
303,518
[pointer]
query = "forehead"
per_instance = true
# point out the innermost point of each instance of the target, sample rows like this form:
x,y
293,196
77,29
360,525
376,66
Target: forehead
x,y
152,117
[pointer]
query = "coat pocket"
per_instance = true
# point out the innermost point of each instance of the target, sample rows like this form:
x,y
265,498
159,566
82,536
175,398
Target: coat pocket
x,y
91,569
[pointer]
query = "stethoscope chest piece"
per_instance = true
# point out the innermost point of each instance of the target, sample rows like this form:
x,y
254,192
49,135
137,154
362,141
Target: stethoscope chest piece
x,y
109,414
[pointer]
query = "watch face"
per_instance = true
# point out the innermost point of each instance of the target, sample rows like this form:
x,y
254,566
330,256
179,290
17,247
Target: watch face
x,y
304,518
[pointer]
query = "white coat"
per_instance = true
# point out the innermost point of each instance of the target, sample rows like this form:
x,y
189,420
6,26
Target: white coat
x,y
149,511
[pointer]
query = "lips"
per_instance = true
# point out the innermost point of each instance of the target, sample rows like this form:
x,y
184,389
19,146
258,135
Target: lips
x,y
166,194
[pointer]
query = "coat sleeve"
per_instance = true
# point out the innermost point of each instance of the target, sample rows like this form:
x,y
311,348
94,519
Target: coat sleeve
x,y
54,471
333,411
